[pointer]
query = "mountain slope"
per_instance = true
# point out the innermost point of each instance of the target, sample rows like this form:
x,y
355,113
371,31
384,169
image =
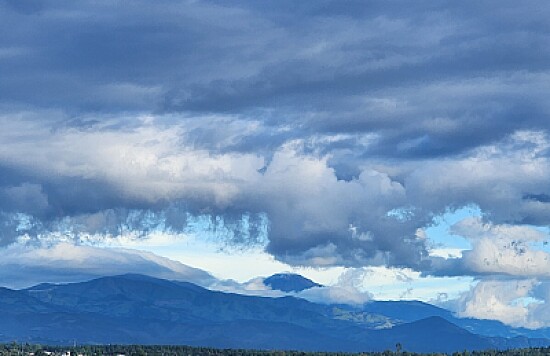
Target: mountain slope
x,y
435,333
409,311
145,310
289,282
406,311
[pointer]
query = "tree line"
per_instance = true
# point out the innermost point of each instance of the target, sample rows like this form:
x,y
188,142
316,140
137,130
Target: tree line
x,y
13,349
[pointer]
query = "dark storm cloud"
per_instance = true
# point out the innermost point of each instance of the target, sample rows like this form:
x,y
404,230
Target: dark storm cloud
x,y
353,67
350,124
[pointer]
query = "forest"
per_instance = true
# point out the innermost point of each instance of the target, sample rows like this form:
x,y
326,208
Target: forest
x,y
13,349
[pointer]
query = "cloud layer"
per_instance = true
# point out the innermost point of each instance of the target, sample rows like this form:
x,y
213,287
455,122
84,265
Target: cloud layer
x,y
24,266
112,182
331,133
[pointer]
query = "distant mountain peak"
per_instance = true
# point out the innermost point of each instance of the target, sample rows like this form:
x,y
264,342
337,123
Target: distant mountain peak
x,y
289,282
132,309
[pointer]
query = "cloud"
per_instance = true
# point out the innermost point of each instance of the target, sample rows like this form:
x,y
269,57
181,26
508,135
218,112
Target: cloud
x,y
26,197
308,208
345,291
322,221
504,249
101,179
254,287
337,133
356,286
432,81
335,295
23,265
516,302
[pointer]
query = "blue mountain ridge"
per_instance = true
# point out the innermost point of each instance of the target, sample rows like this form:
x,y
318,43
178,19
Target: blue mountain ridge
x,y
386,313
289,282
410,311
130,309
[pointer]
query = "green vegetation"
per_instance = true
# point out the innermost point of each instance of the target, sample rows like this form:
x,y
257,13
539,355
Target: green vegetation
x,y
13,349
371,320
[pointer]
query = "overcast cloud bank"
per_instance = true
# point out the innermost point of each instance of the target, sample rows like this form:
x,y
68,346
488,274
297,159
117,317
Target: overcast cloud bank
x,y
332,134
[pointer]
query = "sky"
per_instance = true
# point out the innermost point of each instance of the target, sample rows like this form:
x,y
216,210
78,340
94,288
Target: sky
x,y
385,149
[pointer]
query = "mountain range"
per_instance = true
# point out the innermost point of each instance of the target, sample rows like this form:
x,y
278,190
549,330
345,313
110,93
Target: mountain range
x,y
289,282
137,309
